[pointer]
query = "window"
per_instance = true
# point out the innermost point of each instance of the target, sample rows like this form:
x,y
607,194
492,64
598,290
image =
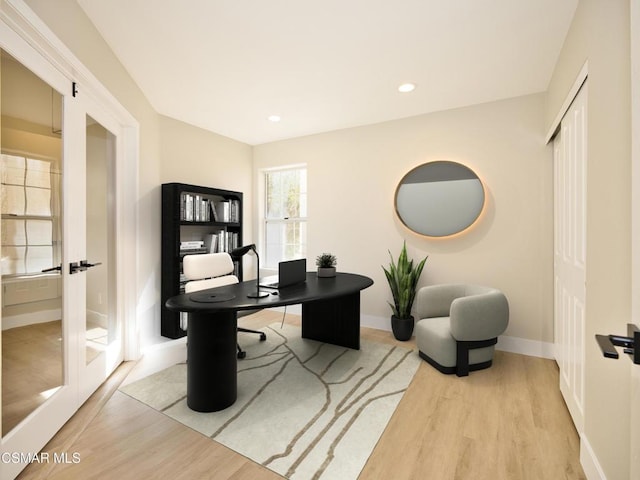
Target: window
x,y
285,228
27,218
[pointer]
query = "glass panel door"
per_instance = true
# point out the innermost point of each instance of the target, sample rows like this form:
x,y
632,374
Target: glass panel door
x,y
102,326
37,323
31,242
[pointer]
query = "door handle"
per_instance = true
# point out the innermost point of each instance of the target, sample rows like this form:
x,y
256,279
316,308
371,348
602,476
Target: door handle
x,y
630,344
85,264
52,269
76,267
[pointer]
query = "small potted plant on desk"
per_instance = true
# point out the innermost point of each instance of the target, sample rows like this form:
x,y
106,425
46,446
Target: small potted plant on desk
x,y
326,264
403,278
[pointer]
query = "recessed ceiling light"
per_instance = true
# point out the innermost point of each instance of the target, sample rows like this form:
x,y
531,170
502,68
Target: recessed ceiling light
x,y
273,118
407,87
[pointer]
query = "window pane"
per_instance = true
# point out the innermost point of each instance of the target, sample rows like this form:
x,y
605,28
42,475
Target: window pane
x,y
38,201
286,194
13,200
285,241
13,170
39,232
13,232
38,173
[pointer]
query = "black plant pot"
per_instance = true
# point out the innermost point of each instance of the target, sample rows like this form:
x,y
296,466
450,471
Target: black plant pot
x,y
402,327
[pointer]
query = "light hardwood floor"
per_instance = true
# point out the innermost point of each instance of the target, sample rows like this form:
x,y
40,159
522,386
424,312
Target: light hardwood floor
x,y
31,367
508,422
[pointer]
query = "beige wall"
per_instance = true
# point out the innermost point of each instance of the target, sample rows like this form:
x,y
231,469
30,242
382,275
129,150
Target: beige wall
x,y
191,155
69,23
353,175
169,151
600,34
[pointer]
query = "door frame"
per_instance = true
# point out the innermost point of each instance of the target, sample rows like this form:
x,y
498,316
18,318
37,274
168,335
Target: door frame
x,y
26,24
634,14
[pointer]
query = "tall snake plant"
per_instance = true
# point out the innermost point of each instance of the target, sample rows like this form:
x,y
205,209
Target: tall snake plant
x,y
403,279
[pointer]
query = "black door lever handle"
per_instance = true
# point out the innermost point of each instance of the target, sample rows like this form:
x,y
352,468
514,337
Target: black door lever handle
x,y
52,269
85,264
630,343
76,267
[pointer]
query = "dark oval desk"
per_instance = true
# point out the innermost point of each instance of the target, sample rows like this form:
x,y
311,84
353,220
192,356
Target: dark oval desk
x,y
330,314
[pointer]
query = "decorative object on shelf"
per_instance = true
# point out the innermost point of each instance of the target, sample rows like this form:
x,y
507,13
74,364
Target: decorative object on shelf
x,y
239,252
403,279
326,264
438,199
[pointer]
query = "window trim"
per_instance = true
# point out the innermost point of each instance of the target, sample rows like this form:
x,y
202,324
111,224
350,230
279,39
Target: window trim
x,y
262,210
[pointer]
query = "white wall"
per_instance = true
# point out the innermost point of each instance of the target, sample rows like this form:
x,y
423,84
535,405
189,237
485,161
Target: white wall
x,y
599,34
353,175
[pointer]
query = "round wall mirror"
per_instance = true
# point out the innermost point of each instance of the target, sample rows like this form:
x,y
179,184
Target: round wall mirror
x,y
440,198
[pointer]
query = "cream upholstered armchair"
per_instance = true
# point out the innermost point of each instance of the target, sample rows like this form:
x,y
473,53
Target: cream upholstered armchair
x,y
458,326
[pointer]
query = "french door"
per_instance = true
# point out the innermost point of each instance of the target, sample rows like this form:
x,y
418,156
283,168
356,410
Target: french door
x,y
61,322
92,264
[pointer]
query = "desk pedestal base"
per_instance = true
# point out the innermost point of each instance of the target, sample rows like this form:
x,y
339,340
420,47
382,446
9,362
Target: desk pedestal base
x,y
211,361
335,320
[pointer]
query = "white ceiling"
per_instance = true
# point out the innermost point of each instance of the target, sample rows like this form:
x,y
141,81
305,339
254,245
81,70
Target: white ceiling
x,y
226,65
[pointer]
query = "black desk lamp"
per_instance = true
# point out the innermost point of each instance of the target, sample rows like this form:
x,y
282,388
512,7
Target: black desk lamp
x,y
237,253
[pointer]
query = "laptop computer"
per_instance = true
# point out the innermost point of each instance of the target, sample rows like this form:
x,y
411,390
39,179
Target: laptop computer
x,y
290,272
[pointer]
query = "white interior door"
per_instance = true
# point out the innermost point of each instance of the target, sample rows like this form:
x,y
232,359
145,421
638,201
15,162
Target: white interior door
x,y
39,361
98,141
61,321
570,176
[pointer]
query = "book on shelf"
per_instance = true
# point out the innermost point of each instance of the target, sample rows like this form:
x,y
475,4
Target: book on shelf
x,y
191,244
211,242
222,241
196,208
193,251
213,212
223,211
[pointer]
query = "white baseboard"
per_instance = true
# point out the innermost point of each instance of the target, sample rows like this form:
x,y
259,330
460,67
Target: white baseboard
x,y
97,318
157,357
523,346
41,316
379,323
589,462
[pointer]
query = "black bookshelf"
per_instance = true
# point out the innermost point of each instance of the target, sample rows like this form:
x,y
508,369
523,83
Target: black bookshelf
x,y
195,220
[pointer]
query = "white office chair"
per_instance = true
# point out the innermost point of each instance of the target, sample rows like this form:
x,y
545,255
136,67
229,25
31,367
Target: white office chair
x,y
213,270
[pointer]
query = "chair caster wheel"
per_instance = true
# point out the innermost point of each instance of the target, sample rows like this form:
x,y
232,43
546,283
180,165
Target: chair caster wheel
x,y
242,355
263,337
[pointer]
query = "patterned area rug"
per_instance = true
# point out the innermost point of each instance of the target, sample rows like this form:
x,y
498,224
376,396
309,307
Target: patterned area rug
x,y
305,409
